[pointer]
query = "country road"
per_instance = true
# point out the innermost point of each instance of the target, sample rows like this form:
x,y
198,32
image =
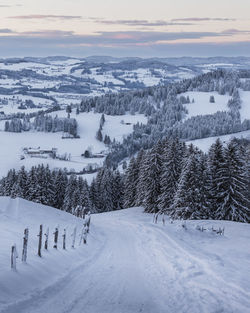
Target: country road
x,y
141,267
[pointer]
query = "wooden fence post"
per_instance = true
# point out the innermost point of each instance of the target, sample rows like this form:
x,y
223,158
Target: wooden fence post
x,y
25,245
46,239
55,238
14,256
40,241
88,221
64,239
81,237
85,233
73,238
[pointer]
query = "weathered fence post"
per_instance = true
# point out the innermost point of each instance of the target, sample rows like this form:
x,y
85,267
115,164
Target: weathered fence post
x,y
83,212
14,256
40,241
163,219
85,233
64,239
81,236
25,245
46,239
55,238
73,238
88,221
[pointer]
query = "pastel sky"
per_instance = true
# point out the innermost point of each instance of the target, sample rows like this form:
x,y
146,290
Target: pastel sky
x,y
146,28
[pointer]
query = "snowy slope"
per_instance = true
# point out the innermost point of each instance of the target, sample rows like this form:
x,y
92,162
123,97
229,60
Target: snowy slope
x,y
245,105
88,124
129,265
202,106
205,143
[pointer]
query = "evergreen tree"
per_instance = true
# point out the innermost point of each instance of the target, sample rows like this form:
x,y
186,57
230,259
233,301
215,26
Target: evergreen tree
x,y
216,163
69,202
235,205
117,191
186,200
129,184
153,169
172,166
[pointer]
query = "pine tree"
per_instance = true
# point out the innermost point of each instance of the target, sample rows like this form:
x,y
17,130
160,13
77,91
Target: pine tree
x,y
31,184
60,183
235,205
216,162
21,183
99,135
117,191
68,204
172,166
129,185
153,168
186,200
138,166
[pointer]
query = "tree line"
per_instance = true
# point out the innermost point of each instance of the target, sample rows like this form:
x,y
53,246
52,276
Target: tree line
x,y
69,193
186,183
42,123
171,178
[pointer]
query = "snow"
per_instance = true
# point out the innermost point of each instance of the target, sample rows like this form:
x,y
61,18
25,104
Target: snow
x,y
205,143
88,124
245,105
129,265
15,101
202,106
116,127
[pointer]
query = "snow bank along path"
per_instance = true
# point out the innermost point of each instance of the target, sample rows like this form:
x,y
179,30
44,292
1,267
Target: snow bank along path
x,y
132,265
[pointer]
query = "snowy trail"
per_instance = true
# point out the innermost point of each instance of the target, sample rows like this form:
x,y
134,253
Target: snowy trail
x,y
139,267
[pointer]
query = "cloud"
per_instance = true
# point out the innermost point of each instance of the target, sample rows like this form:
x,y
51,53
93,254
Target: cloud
x,y
203,19
35,47
122,43
111,39
47,16
138,22
6,31
10,6
47,33
235,31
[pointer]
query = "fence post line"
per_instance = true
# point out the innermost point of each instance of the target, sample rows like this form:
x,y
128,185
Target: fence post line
x,y
25,245
40,241
46,239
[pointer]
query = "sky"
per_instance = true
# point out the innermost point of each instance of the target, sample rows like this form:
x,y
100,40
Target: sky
x,y
144,28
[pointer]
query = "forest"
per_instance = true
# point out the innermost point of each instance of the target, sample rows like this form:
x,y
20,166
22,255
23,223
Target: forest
x,y
170,178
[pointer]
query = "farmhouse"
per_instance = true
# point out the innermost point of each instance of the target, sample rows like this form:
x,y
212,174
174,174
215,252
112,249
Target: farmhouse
x,y
37,152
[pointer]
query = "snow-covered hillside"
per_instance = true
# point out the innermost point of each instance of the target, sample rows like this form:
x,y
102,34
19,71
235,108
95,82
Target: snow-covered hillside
x,y
129,265
200,104
205,143
245,105
66,80
88,123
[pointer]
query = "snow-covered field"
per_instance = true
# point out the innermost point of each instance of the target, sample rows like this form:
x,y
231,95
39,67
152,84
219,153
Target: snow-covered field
x,y
205,143
245,105
202,106
129,265
15,101
88,124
